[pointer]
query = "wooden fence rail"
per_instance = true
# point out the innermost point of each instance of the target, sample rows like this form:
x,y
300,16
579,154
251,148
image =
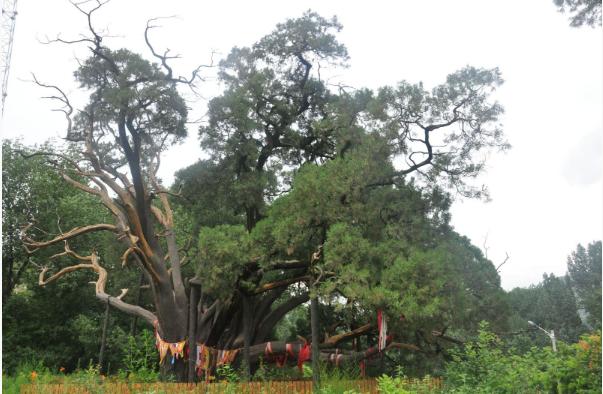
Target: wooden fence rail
x,y
368,386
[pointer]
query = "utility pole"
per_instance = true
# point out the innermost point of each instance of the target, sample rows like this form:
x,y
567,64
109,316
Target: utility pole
x,y
7,34
550,334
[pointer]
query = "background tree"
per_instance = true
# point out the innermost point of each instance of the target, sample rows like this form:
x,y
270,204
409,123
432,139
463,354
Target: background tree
x,y
550,304
35,327
584,270
582,12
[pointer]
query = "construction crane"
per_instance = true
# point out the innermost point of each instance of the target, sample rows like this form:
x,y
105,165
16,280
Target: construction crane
x,y
7,33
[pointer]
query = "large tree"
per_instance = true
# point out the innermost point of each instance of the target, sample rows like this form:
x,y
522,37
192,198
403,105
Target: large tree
x,y
277,116
133,114
276,120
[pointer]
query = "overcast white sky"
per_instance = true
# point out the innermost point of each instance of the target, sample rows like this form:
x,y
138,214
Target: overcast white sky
x,y
547,191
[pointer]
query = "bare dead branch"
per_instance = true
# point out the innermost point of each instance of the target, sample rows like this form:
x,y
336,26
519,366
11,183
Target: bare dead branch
x,y
74,232
93,264
126,254
505,260
66,108
163,58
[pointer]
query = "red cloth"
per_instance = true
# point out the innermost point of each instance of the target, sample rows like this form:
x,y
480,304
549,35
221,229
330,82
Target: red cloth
x,y
304,355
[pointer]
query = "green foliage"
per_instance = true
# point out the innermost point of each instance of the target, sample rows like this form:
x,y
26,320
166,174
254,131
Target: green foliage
x,y
137,83
32,191
227,373
584,270
223,251
550,304
484,366
140,358
392,385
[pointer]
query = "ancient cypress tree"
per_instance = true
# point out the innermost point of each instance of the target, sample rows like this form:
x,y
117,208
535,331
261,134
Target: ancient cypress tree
x,y
276,118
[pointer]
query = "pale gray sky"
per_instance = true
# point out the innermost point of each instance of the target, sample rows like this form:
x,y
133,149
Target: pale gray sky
x,y
547,193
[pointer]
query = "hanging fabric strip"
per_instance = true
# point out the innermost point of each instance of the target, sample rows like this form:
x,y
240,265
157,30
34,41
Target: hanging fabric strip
x,y
176,349
382,327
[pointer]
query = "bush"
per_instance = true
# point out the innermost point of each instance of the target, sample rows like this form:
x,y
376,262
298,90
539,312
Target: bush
x,y
484,367
140,362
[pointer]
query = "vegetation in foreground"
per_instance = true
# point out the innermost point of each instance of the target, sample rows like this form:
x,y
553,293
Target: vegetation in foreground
x,y
486,365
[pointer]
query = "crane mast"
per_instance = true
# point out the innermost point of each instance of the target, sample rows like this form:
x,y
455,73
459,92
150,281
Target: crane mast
x,y
9,15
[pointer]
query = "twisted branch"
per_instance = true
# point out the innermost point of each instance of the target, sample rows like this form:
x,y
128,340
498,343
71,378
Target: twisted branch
x,y
92,262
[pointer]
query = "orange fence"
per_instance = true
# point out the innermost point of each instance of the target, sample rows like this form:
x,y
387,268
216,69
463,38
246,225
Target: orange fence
x,y
269,387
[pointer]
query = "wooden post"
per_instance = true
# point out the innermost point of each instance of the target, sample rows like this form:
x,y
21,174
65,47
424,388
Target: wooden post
x,y
134,326
192,329
315,339
101,355
247,316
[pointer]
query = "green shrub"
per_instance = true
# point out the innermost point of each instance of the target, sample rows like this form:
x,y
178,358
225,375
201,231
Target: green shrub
x,y
484,367
140,362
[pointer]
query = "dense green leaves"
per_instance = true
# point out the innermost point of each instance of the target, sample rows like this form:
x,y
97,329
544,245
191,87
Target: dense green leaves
x,y
119,79
223,251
